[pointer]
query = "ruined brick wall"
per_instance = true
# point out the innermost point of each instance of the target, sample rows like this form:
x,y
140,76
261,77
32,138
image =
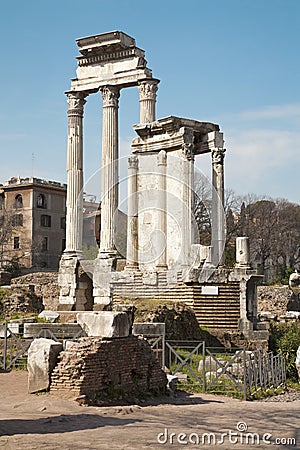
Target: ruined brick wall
x,y
45,286
97,370
276,299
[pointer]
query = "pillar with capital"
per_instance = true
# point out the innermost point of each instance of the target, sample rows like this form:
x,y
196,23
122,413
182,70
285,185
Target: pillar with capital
x,y
109,178
76,101
147,90
132,211
216,145
162,210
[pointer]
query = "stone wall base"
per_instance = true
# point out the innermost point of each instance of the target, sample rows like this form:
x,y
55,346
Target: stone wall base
x,y
96,371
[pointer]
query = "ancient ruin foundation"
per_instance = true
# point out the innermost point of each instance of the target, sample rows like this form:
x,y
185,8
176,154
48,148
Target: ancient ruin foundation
x,y
96,370
163,250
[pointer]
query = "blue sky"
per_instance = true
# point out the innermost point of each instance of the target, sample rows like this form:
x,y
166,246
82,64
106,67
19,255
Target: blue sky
x,y
232,62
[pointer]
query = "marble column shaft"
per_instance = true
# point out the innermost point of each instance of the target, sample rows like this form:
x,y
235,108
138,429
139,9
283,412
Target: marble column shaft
x,y
74,217
162,209
147,91
109,176
218,216
132,219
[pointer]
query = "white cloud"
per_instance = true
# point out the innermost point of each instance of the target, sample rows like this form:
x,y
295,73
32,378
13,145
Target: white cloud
x,y
263,161
273,112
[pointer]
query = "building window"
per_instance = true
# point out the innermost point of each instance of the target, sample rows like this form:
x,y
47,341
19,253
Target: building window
x,y
63,245
45,244
18,201
17,220
16,242
41,201
45,221
63,223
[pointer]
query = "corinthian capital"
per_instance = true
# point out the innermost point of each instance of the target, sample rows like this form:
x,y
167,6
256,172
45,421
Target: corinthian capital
x,y
133,162
148,89
76,102
110,96
218,155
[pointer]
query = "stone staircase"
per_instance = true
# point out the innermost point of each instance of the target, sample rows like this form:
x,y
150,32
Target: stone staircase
x,y
212,311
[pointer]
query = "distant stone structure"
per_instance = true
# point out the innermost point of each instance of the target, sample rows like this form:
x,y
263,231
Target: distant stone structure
x,y
294,282
164,257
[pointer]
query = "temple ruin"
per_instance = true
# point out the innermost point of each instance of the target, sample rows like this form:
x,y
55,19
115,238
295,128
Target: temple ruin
x,y
164,257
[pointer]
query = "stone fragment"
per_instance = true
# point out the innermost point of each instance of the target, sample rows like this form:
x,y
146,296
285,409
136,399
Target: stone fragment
x,y
292,314
104,323
211,364
50,316
42,358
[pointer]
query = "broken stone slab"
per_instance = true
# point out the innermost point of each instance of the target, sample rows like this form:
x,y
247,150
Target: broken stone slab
x,y
267,315
109,324
42,358
50,316
211,363
292,314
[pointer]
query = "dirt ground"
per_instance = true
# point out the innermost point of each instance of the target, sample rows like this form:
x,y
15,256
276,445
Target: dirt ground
x,y
46,422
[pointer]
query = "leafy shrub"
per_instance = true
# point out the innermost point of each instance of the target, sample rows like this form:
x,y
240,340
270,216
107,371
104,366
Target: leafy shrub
x,y
285,339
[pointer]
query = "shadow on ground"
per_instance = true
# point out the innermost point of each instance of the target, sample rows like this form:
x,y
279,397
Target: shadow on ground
x,y
59,424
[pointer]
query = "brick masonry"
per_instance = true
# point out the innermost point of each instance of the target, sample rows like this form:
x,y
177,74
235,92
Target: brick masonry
x,y
96,370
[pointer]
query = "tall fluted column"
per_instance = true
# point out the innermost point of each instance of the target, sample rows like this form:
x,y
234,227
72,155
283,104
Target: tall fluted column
x,y
188,195
147,89
74,218
216,143
109,177
162,210
132,219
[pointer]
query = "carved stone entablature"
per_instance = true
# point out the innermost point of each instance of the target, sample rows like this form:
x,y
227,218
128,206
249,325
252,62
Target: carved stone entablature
x,y
148,89
114,56
110,96
76,102
215,140
162,158
133,162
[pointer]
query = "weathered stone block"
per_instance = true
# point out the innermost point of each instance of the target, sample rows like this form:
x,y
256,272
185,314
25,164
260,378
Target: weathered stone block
x,y
42,358
104,323
50,316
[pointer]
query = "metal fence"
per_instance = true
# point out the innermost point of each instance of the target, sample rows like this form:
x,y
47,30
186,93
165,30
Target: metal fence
x,y
14,347
237,372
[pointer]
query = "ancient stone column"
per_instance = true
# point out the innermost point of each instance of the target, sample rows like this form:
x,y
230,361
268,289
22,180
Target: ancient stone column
x,y
147,89
74,218
243,252
161,210
215,142
109,177
187,180
132,211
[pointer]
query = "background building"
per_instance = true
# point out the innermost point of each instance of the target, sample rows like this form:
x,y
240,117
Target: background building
x,y
33,222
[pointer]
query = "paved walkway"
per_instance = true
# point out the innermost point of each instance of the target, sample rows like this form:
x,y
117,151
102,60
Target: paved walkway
x,y
47,422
